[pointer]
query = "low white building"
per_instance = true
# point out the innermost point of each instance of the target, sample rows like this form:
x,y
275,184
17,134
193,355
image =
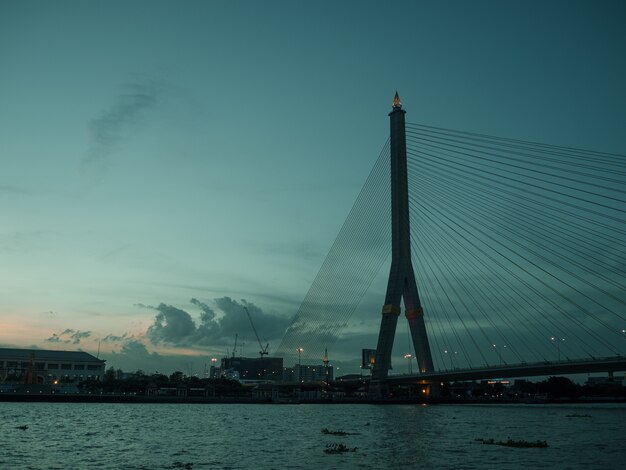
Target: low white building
x,y
49,366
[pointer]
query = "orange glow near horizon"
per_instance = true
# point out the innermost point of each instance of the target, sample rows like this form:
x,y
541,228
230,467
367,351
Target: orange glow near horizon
x,y
16,332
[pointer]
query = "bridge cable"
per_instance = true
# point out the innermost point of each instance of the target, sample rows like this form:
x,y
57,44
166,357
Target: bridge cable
x,y
438,197
331,276
450,227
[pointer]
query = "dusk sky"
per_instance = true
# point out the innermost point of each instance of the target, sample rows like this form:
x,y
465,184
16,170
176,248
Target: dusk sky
x,y
165,160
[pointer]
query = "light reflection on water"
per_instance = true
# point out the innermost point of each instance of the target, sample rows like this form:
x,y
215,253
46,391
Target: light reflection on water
x,y
149,436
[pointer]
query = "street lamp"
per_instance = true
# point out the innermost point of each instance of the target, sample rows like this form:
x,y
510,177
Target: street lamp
x,y
558,346
300,351
450,356
498,352
213,362
408,357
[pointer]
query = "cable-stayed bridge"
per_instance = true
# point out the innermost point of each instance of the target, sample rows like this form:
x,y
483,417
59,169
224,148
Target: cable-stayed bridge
x,y
505,253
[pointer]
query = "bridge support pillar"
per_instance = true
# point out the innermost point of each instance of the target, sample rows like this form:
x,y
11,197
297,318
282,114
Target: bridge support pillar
x,y
401,284
430,389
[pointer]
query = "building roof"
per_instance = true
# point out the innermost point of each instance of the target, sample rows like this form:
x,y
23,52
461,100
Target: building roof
x,y
47,355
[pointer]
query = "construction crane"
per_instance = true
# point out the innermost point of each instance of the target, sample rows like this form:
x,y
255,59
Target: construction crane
x,y
235,346
263,351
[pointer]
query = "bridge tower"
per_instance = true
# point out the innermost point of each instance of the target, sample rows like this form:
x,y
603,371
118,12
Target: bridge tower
x,y
401,284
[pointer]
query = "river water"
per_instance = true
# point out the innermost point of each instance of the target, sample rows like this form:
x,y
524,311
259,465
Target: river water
x,y
242,436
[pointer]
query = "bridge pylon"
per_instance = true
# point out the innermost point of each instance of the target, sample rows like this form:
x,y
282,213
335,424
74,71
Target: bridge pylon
x,y
401,284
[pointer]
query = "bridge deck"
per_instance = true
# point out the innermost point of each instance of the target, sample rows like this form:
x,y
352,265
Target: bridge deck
x,y
576,366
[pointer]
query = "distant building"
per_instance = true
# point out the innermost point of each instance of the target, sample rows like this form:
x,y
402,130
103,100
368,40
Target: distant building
x,y
249,368
609,380
289,374
45,367
214,372
310,374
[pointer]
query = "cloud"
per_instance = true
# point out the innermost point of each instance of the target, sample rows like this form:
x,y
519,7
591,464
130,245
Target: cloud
x,y
134,355
172,325
109,129
69,336
207,312
235,320
134,347
114,338
176,327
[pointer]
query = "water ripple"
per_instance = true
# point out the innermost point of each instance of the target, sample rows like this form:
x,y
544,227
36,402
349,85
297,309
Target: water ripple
x,y
149,436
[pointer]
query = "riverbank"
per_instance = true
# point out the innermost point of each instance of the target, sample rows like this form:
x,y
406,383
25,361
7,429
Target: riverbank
x,y
132,398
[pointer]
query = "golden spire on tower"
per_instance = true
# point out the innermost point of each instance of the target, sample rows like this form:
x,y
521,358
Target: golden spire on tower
x,y
396,102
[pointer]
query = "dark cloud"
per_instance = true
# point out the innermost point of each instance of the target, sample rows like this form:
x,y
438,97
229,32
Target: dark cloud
x,y
235,320
69,336
207,312
135,347
109,129
172,325
176,327
134,355
114,338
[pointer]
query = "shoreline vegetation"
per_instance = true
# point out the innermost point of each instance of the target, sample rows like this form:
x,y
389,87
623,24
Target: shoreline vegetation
x,y
139,387
137,398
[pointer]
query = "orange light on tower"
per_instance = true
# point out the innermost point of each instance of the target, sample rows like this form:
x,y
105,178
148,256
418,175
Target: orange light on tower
x,y
396,101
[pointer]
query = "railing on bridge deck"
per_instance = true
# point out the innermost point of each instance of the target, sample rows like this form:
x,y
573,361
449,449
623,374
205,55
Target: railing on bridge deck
x,y
569,366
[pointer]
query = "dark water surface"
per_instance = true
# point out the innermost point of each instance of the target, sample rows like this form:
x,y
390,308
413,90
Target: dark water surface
x,y
237,436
